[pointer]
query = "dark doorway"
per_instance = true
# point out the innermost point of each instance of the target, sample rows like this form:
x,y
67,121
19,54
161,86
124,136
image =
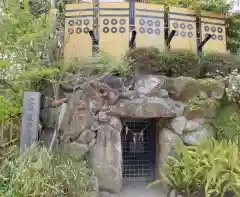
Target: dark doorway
x,y
139,149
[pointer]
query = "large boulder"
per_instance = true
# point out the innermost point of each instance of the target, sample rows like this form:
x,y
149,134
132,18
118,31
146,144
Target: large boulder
x,y
148,107
179,108
105,157
194,125
178,124
195,138
212,88
79,120
184,88
150,85
167,140
86,136
114,82
198,108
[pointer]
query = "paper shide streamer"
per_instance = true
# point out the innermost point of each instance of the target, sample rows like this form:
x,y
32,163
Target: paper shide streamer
x,y
137,137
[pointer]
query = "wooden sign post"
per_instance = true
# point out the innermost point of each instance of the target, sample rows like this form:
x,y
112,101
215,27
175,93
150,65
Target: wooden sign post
x,y
30,119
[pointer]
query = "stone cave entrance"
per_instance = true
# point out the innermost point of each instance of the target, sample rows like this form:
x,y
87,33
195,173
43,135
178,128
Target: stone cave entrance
x,y
139,150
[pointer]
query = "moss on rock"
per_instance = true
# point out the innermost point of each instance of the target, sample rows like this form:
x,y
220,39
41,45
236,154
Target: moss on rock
x,y
185,88
197,108
212,88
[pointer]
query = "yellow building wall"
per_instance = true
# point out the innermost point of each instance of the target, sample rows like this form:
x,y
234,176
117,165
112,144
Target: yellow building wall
x,y
78,22
114,28
184,22
149,25
214,24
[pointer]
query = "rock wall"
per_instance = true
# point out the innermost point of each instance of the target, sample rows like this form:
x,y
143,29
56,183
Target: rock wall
x,y
92,126
199,108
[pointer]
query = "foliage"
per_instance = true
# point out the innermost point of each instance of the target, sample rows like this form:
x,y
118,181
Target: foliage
x,y
210,5
8,109
103,63
233,33
182,63
227,123
216,5
149,60
217,63
38,172
38,7
25,50
233,88
211,168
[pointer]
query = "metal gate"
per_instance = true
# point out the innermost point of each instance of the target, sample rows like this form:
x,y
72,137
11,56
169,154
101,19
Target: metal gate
x,y
139,149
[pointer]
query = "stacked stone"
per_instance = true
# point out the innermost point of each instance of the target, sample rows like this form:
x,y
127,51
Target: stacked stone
x,y
184,107
97,136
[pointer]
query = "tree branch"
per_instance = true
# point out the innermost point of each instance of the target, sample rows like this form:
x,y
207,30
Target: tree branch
x,y
8,85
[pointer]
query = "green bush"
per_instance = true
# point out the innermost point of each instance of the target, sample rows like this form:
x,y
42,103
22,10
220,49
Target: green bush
x,y
181,62
176,63
213,168
38,172
227,123
103,63
149,60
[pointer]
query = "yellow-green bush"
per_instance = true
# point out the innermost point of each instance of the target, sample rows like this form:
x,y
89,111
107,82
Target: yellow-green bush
x,y
182,62
227,123
149,60
213,168
38,172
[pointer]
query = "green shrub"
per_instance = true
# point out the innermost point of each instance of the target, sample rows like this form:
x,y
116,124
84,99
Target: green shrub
x,y
103,63
213,168
223,63
227,123
149,60
182,62
38,172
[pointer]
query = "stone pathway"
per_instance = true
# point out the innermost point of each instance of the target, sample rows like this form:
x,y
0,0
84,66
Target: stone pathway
x,y
138,189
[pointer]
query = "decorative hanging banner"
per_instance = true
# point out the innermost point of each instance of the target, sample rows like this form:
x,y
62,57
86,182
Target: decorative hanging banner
x,y
78,23
183,20
114,28
214,24
149,25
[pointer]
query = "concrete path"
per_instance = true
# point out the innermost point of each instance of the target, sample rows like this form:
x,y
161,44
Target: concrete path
x,y
138,189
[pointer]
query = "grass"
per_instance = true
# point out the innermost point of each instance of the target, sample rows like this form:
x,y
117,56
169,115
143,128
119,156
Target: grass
x,y
38,172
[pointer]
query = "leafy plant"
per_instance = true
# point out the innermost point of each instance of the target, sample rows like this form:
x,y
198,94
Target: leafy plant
x,y
212,5
233,33
38,172
211,168
102,64
7,109
227,123
182,63
25,51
